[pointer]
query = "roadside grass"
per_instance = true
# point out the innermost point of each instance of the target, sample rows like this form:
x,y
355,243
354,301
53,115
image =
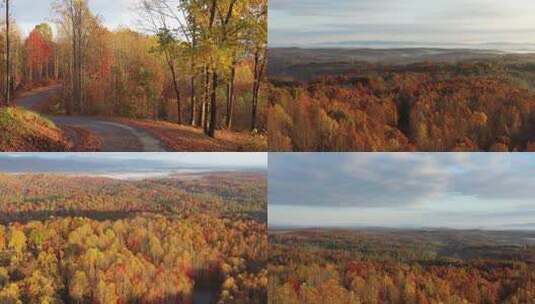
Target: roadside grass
x,y
23,130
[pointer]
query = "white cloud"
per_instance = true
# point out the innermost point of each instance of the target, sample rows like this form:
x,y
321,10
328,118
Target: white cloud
x,y
309,22
459,190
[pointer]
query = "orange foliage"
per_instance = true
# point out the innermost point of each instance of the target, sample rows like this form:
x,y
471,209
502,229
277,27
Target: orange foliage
x,y
37,49
402,111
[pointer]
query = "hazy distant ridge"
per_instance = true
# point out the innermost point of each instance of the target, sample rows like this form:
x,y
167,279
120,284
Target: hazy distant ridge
x,y
505,47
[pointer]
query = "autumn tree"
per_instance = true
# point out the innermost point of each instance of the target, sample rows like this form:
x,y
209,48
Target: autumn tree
x,y
38,54
75,20
47,35
215,36
257,25
17,241
171,49
8,57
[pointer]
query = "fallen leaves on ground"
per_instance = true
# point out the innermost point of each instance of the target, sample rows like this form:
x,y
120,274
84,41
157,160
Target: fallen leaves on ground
x,y
81,140
186,138
22,130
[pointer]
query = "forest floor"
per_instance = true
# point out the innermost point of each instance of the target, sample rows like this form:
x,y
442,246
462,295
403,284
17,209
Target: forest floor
x,y
187,138
131,135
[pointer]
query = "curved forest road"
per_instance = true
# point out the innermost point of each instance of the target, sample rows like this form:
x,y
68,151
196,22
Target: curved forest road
x,y
115,137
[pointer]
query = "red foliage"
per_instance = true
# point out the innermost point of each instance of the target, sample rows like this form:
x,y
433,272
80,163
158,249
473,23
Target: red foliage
x,y
38,51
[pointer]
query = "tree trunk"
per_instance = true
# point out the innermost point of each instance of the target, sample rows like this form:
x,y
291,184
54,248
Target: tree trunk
x,y
14,74
213,106
254,109
177,91
82,106
71,100
193,102
258,72
204,114
8,57
77,24
81,83
204,123
47,69
230,96
74,71
193,98
208,126
56,65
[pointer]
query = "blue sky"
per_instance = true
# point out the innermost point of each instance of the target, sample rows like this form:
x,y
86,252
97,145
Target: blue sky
x,y
113,13
457,190
127,162
327,22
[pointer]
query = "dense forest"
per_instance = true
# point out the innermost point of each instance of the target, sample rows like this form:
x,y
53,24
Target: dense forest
x,y
401,266
197,238
196,63
485,104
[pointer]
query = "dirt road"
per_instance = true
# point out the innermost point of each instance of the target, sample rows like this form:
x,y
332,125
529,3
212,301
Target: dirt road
x,y
115,137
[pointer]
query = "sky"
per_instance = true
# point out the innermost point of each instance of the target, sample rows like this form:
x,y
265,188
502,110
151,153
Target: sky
x,y
309,23
113,13
127,162
402,190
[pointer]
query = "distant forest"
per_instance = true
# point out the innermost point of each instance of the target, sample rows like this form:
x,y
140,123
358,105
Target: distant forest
x,y
428,101
401,266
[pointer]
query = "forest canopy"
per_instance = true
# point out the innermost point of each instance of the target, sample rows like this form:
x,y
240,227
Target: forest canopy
x,y
76,239
400,266
469,105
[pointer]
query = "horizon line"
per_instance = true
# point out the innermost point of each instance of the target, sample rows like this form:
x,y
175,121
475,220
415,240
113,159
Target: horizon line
x,y
406,228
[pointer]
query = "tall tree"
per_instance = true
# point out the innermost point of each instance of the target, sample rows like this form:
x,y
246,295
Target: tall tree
x,y
75,20
169,47
214,35
8,58
234,26
46,32
38,53
221,14
191,32
211,124
158,15
258,40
